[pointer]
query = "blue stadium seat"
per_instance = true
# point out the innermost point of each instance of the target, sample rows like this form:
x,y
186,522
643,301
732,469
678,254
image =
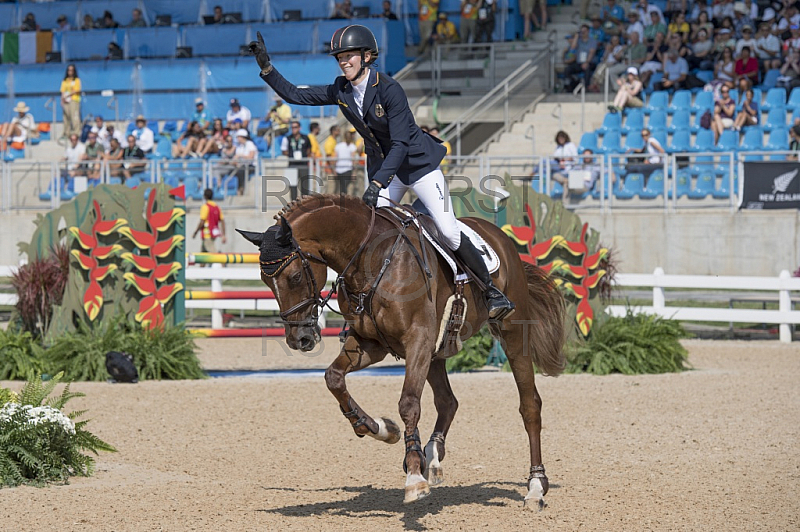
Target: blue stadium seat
x,y
778,140
133,182
634,120
632,185
651,85
704,140
724,190
660,134
794,100
705,75
728,141
704,186
658,120
634,141
611,122
680,100
704,101
163,148
558,190
654,187
753,139
702,163
683,184
776,119
681,141
770,79
588,142
193,189
607,188
776,99
611,143
658,101
681,120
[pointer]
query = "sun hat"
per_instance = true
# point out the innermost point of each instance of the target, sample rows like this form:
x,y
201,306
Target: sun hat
x,y
21,108
633,70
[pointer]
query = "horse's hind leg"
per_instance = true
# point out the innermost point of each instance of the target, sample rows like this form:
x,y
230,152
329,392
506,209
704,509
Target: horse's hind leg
x,y
446,406
530,407
359,353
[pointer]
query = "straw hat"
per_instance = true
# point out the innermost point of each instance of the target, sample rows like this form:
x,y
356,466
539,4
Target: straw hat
x,y
21,108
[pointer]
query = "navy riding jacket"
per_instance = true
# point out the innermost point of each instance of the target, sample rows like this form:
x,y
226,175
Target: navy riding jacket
x,y
394,144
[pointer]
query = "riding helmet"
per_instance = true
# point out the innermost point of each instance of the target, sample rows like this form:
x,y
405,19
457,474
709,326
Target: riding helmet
x,y
354,37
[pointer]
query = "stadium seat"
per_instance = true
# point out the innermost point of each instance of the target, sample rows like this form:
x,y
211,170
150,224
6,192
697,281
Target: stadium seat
x,y
770,79
704,140
588,142
632,185
658,101
611,122
794,100
681,120
163,148
611,143
634,141
651,85
634,121
704,186
681,141
660,134
193,189
776,99
558,190
658,120
654,187
776,119
704,101
607,188
724,190
728,141
133,182
705,75
753,139
680,100
778,140
683,184
756,97
702,163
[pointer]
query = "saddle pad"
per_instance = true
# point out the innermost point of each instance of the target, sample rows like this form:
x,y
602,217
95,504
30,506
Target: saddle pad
x,y
489,255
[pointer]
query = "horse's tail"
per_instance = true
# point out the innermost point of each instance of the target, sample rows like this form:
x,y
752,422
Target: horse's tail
x,y
547,310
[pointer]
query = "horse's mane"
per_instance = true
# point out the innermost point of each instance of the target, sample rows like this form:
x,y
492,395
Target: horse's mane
x,y
321,200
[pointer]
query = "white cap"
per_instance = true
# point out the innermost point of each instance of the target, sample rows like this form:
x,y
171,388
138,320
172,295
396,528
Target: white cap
x,y
632,70
768,15
241,132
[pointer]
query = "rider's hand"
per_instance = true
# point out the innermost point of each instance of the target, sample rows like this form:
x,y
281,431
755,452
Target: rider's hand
x,y
371,195
259,49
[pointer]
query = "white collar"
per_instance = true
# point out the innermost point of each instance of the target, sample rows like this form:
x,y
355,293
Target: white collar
x,y
361,88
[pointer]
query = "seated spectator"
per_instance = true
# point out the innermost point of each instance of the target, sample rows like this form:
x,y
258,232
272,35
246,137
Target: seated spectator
x,y
219,17
635,25
749,114
701,57
73,155
238,112
585,50
565,154
637,51
747,40
680,27
654,159
63,24
212,143
143,135
675,43
724,113
343,10
613,61
346,153
793,41
112,133
596,32
727,24
107,21
201,114
746,69
277,120
134,159
790,71
722,40
244,157
722,10
674,8
768,47
589,165
700,7
629,93
656,26
387,11
445,31
114,52
725,70
137,20
613,17
99,128
654,60
88,22
676,74
94,153
187,143
20,128
702,23
740,19
29,23
113,158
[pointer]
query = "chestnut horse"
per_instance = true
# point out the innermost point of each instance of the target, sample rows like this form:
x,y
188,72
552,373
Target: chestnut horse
x,y
392,291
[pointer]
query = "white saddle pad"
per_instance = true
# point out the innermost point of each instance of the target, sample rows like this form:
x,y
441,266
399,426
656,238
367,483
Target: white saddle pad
x,y
489,255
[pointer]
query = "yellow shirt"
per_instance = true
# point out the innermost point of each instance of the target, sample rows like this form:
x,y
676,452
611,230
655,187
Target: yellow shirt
x,y
204,216
329,146
281,116
447,31
314,145
428,10
74,86
469,10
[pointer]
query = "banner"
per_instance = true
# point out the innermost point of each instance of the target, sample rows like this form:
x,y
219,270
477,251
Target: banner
x,y
26,47
771,185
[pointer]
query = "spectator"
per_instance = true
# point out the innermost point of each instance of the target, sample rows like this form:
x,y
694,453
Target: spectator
x,y
238,111
343,10
245,157
673,7
345,159
63,24
725,69
794,144
749,114
724,113
313,135
100,129
723,40
71,101
94,152
654,159
137,20
20,128
790,71
278,119
793,42
768,47
134,158
700,7
215,140
654,60
226,167
646,11
219,17
427,17
701,57
702,23
114,52
635,26
656,26
297,147
613,17
721,10
680,27
746,69
387,13
469,20
751,9
565,154
445,32
746,40
613,61
212,224
108,21
588,165
741,19
585,50
629,93
200,114
73,155
676,71
636,50
596,32
329,151
528,10
29,23
112,133
113,157
187,144
486,20
88,22
143,135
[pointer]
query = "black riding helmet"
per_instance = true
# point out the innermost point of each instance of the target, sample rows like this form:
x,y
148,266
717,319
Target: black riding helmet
x,y
355,37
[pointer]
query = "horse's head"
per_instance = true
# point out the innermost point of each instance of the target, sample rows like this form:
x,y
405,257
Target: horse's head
x,y
296,277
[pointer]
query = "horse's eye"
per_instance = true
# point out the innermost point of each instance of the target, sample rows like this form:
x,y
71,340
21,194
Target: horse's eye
x,y
295,278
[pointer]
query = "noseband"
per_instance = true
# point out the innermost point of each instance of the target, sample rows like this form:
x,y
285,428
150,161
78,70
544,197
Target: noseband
x,y
314,299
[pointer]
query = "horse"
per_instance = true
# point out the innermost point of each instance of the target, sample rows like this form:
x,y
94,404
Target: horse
x,y
393,293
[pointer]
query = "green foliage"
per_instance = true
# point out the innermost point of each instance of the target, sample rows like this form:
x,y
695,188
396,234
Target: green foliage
x,y
473,354
634,344
39,444
20,355
166,353
40,285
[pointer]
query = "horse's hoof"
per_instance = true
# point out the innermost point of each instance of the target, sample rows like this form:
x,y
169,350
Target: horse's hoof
x,y
388,431
417,491
534,504
435,475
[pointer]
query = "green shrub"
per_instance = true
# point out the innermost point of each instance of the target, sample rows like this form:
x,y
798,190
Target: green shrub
x,y
21,356
473,354
38,443
633,344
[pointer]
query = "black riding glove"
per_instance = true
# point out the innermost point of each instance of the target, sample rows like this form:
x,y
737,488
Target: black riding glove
x,y
259,49
371,195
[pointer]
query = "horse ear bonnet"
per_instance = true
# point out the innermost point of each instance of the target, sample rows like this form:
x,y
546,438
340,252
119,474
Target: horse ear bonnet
x,y
274,251
121,368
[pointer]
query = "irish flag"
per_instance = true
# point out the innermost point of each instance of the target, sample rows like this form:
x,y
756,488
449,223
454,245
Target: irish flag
x,y
27,47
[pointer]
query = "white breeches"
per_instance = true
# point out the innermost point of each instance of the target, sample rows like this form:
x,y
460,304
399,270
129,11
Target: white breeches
x,y
433,193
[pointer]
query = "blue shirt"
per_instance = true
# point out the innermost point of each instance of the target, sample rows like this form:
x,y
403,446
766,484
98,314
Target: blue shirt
x,y
201,118
616,12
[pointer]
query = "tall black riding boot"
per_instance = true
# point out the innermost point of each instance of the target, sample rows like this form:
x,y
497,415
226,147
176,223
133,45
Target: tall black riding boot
x,y
498,304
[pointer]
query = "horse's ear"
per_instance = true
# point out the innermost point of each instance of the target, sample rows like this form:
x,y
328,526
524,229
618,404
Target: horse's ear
x,y
255,238
284,234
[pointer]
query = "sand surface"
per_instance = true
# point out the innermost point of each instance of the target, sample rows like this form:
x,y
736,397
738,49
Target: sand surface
x,y
717,448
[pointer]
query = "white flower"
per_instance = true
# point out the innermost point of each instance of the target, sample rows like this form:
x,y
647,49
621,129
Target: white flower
x,y
37,415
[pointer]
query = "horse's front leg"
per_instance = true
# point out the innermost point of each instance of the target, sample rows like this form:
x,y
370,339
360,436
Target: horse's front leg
x,y
446,406
417,365
359,353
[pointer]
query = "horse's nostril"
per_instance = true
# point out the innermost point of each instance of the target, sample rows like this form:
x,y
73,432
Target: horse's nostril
x,y
306,343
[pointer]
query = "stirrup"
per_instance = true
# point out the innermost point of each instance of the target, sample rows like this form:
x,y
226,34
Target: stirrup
x,y
499,306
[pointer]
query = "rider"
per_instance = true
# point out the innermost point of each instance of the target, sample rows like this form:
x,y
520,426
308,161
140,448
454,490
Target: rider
x,y
396,147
